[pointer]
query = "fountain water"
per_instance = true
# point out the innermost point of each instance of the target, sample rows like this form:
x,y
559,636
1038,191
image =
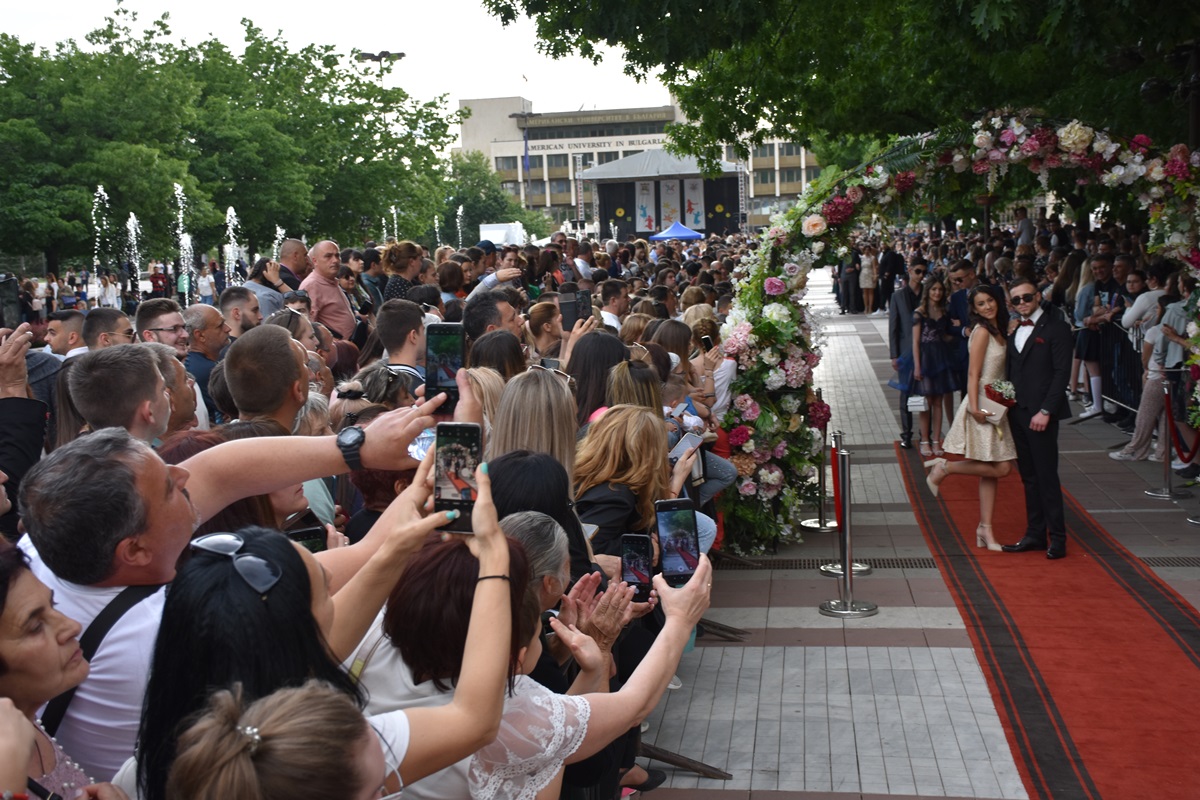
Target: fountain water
x,y
133,256
100,214
395,227
437,232
458,218
383,225
280,235
231,248
186,260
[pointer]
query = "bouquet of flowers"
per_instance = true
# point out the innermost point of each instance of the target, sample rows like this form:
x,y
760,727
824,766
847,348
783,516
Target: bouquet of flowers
x,y
999,397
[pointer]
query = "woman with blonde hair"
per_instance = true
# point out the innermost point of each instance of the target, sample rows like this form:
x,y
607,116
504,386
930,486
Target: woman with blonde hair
x,y
692,296
697,312
442,254
537,413
488,386
634,383
621,470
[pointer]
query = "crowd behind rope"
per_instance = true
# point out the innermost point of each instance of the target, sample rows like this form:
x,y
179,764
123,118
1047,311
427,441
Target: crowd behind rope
x,y
222,574
1127,309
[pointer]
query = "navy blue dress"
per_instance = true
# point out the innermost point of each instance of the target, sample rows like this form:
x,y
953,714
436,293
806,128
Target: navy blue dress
x,y
937,359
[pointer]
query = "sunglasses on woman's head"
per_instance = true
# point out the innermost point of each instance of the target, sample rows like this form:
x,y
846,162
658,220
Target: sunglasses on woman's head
x,y
298,294
558,372
258,573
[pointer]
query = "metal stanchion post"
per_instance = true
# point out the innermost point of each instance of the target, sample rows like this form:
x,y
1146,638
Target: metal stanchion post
x,y
1164,436
819,524
846,606
834,568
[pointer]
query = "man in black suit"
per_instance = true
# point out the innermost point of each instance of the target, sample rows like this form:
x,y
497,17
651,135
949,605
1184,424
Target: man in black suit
x,y
900,337
1039,363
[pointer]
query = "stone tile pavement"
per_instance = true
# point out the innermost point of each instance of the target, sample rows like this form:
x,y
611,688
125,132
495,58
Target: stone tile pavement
x,y
893,706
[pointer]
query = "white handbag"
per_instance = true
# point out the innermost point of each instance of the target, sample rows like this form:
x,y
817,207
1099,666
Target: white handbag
x,y
918,403
995,411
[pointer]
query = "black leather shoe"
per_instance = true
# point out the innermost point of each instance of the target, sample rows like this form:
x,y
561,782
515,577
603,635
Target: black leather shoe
x,y
1056,552
905,444
1024,545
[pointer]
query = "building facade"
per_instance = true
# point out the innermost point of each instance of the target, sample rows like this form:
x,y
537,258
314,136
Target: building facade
x,y
560,144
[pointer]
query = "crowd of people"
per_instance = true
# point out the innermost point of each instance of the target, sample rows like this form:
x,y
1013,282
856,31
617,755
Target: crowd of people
x,y
960,310
223,573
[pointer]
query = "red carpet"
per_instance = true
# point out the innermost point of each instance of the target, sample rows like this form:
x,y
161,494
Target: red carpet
x,y
1093,662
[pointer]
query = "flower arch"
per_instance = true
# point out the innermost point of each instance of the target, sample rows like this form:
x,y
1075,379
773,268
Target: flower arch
x,y
776,340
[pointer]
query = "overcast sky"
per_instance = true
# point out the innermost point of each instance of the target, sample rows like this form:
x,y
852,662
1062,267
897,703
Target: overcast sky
x,y
452,47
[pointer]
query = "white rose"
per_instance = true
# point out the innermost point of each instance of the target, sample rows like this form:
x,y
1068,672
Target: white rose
x,y
769,357
960,162
777,312
1074,137
775,379
817,248
983,141
884,199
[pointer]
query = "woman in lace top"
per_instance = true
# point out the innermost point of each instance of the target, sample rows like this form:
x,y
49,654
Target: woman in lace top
x,y
540,731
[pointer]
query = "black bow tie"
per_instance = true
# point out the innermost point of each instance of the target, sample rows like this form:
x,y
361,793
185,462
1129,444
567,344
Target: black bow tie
x,y
1025,322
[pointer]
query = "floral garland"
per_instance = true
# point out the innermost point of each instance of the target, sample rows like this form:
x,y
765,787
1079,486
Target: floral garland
x,y
774,420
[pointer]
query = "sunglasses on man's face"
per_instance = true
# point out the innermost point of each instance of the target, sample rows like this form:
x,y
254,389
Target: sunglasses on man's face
x,y
1019,299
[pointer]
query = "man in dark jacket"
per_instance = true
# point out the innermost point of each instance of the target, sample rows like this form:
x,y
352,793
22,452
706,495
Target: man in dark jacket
x,y
1039,364
900,337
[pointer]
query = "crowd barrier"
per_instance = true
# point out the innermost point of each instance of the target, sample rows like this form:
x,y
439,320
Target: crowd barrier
x,y
845,606
1121,365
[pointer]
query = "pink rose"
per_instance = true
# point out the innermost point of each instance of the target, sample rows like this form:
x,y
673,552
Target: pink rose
x,y
774,286
780,450
752,411
1140,143
1008,137
980,167
855,194
747,488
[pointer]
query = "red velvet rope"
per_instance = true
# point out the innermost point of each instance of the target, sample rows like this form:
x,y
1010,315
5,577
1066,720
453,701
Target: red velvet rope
x,y
1185,456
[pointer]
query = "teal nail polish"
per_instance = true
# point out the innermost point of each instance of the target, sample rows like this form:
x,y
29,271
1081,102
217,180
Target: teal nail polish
x,y
483,468
452,514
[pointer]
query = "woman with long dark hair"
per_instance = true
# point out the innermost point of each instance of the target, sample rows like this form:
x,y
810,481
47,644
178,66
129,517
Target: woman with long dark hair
x,y
988,448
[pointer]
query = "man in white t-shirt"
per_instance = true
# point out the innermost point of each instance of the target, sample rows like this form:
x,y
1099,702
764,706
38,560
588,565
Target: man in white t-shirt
x,y
105,512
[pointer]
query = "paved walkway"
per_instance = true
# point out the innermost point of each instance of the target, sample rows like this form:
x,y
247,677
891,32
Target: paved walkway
x,y
895,705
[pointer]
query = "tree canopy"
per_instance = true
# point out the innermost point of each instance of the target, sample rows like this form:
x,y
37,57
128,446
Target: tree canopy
x,y
473,185
744,70
306,139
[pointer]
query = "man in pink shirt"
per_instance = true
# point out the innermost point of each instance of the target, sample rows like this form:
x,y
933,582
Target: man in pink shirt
x,y
330,305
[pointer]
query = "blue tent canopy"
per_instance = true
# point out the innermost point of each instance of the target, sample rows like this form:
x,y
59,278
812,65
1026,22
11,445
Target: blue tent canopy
x,y
676,231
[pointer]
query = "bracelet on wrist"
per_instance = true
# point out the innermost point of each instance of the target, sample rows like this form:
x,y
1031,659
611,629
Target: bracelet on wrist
x,y
494,577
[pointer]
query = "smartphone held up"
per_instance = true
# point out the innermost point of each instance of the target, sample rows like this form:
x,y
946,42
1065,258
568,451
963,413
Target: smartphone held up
x,y
678,539
458,451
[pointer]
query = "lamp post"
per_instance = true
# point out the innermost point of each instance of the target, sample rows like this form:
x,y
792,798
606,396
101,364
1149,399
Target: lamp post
x,y
524,117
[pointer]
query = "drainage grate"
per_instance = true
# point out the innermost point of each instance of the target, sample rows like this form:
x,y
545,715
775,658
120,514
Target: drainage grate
x,y
814,563
1171,561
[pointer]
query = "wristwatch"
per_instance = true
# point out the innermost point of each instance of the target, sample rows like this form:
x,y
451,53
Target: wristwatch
x,y
350,441
1043,411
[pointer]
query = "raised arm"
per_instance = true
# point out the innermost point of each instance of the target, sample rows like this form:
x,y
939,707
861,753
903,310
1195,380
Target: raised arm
x,y
441,736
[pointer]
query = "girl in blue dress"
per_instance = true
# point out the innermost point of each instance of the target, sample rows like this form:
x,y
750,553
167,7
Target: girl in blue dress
x,y
933,377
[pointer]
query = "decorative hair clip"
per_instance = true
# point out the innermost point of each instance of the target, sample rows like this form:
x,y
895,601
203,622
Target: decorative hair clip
x,y
351,394
254,737
352,416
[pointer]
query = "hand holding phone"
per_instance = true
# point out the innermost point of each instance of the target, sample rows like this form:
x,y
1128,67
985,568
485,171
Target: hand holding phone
x,y
678,538
458,452
689,602
445,355
637,564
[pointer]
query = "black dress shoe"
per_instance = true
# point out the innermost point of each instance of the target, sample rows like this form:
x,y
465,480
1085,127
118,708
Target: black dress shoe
x,y
905,444
1189,472
1053,552
656,778
1024,545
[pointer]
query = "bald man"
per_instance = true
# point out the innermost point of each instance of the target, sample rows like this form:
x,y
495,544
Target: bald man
x,y
293,263
330,306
